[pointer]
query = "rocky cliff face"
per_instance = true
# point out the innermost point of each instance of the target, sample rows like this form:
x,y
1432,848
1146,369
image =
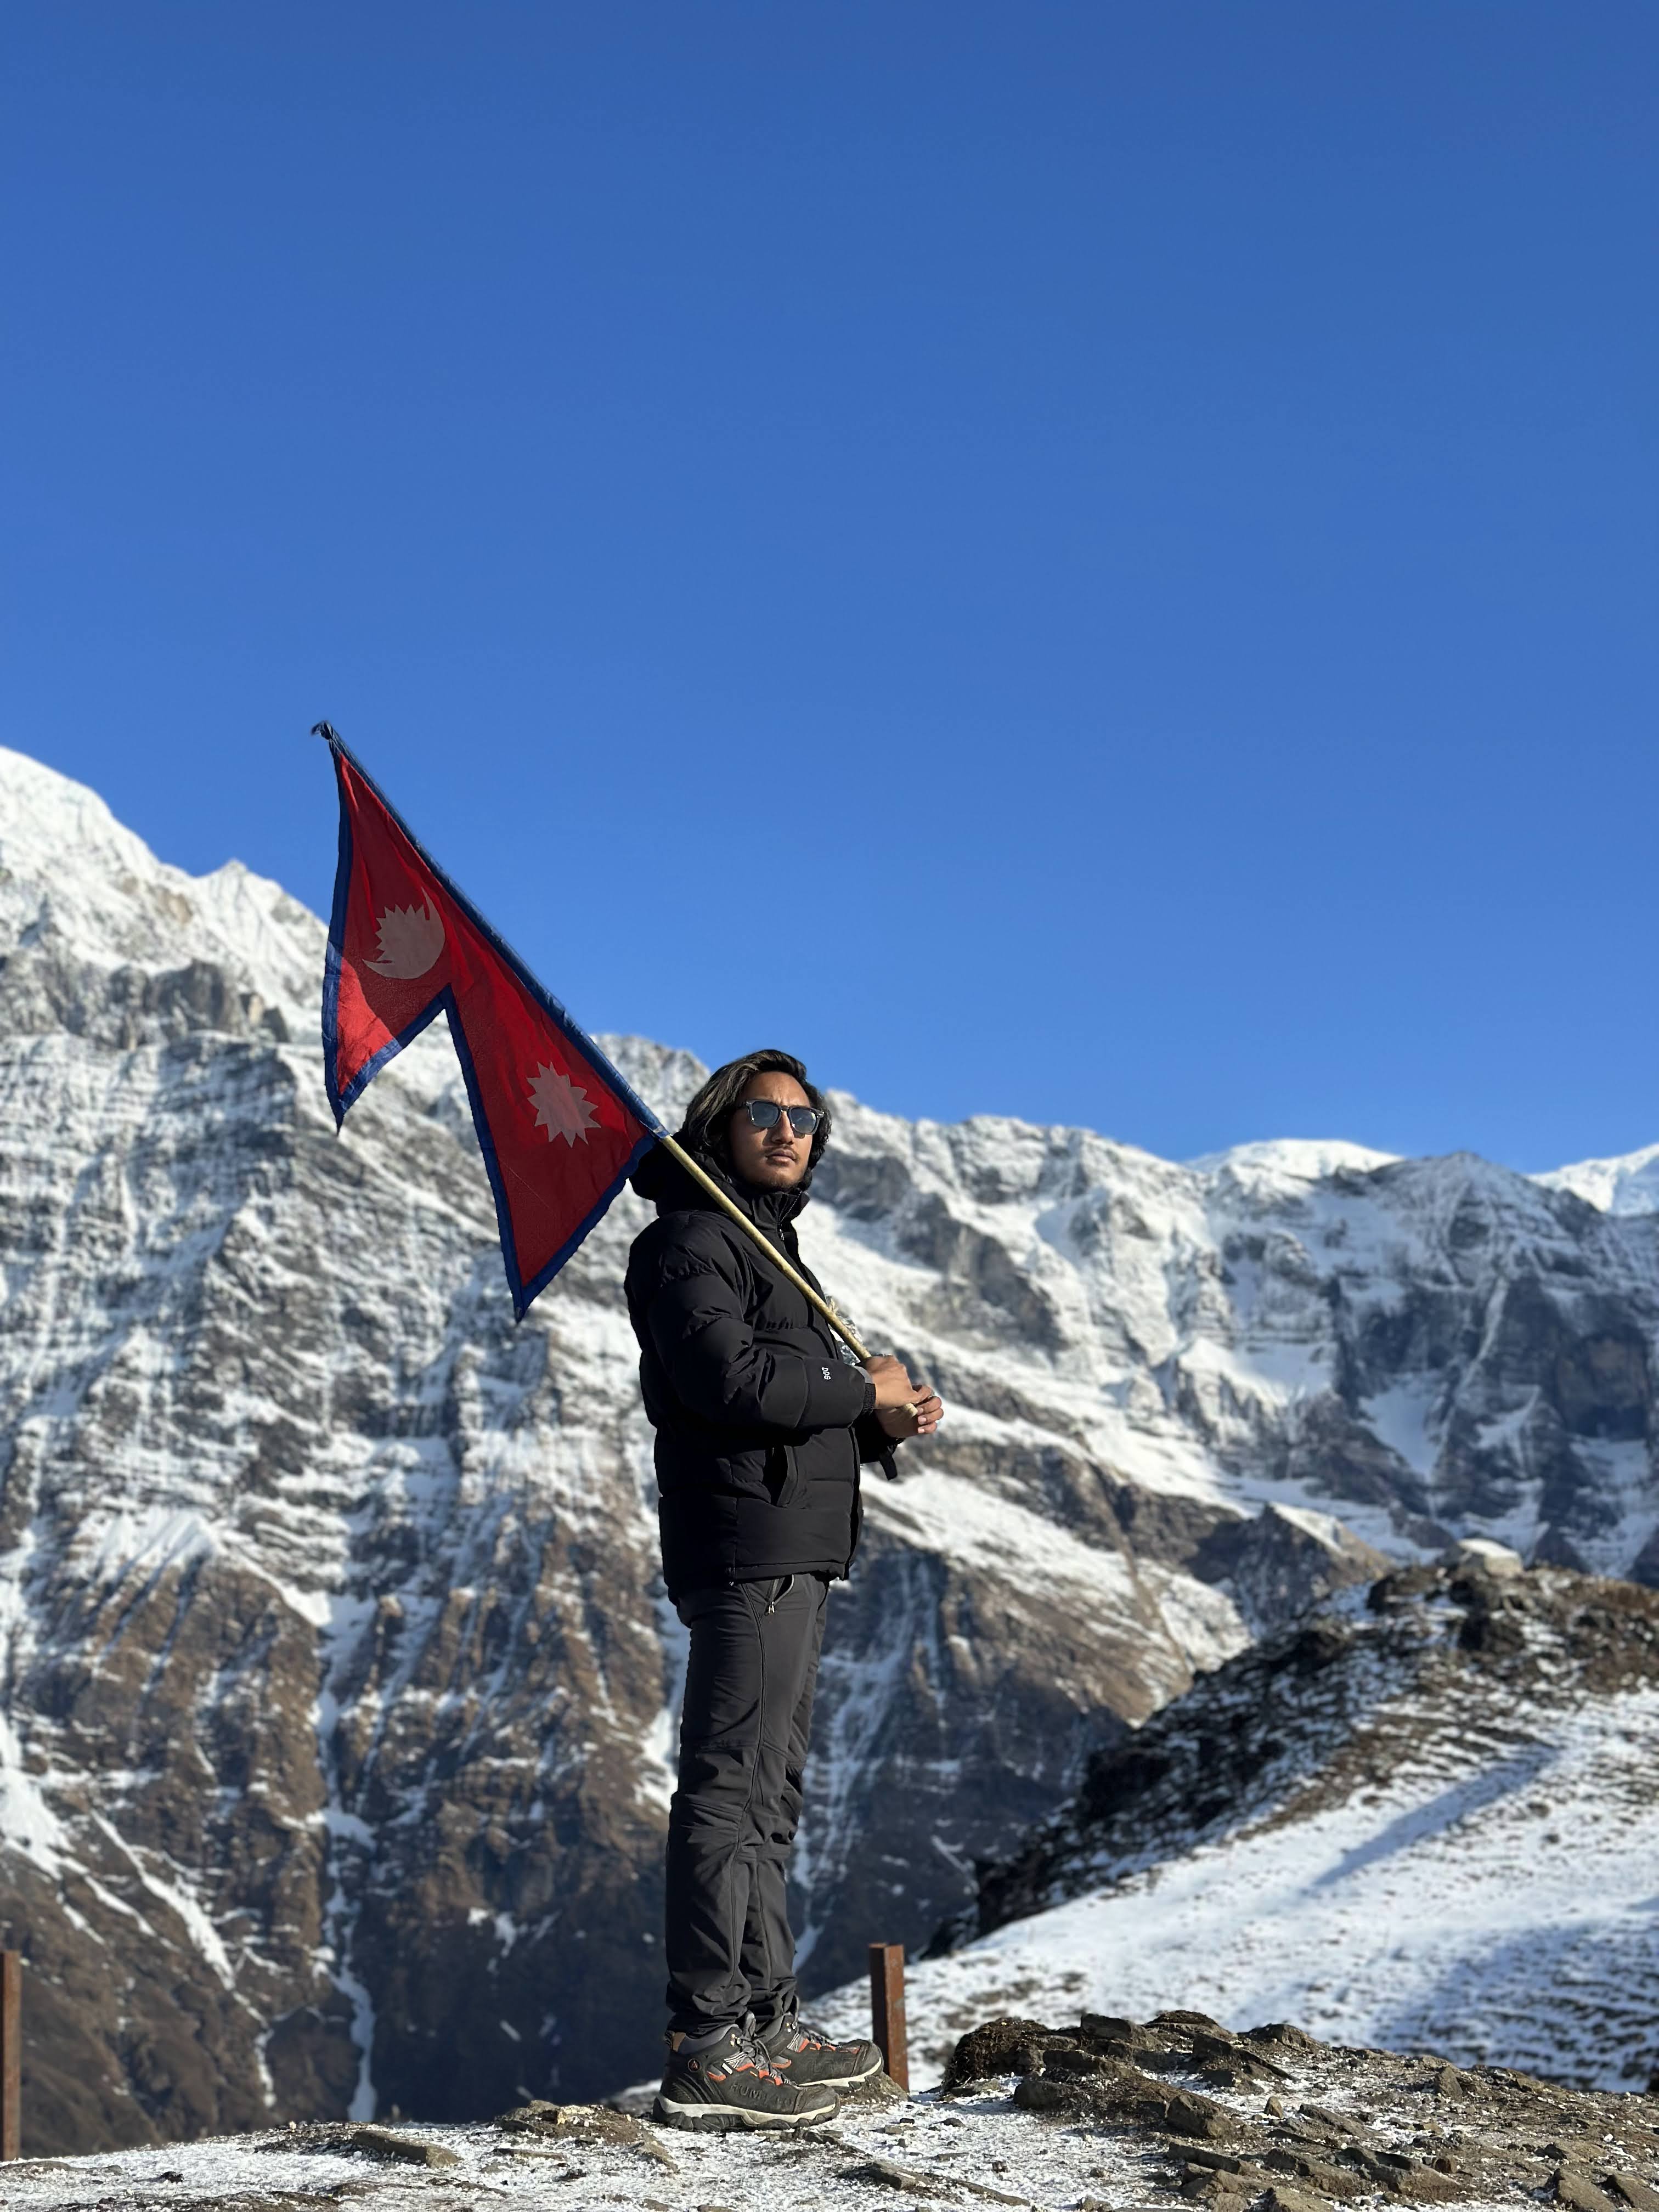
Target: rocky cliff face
x,y
336,1687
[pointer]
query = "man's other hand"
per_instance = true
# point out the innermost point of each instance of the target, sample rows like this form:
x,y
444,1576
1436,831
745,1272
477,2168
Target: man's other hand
x,y
919,1419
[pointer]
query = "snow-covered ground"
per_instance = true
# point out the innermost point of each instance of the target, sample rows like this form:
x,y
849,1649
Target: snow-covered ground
x,y
1429,1914
1470,1867
1012,2157
1078,2118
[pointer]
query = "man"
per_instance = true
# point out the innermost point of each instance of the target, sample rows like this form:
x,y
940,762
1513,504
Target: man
x,y
761,1427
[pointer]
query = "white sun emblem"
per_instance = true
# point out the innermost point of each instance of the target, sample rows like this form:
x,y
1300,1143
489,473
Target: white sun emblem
x,y
412,938
561,1109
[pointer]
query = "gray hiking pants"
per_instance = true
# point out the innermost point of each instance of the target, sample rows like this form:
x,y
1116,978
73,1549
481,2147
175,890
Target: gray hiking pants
x,y
748,1711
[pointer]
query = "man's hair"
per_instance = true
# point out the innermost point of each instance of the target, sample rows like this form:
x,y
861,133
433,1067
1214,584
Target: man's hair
x,y
703,1130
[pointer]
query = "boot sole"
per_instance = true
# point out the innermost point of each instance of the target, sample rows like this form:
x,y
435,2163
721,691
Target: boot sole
x,y
730,2119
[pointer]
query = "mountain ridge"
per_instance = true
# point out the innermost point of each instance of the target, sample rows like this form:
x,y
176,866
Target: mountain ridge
x,y
274,936
336,1679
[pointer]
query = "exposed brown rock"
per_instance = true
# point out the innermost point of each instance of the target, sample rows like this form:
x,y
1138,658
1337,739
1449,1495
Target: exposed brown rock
x,y
597,2123
1360,2130
1630,2189
1187,2114
1001,2046
1282,2198
1570,2188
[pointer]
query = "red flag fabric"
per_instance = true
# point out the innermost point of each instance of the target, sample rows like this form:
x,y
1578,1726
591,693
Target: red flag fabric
x,y
559,1127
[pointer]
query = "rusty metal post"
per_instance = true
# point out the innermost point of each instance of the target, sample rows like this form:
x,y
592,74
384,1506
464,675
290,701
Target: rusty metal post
x,y
11,2054
887,2010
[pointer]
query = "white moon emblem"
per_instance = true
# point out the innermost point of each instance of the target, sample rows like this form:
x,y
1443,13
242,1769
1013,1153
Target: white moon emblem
x,y
561,1109
412,938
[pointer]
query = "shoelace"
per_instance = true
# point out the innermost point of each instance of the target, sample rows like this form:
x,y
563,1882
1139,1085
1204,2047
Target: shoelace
x,y
751,2055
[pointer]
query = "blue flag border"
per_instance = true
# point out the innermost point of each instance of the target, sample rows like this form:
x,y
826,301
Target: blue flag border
x,y
524,1293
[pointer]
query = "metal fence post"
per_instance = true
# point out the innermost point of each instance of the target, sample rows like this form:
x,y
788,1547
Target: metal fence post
x,y
11,2054
887,2010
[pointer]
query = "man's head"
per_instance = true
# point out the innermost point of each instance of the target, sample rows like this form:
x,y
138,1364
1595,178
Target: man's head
x,y
762,1147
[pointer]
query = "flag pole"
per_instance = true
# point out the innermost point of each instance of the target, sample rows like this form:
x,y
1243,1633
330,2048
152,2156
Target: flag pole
x,y
728,1205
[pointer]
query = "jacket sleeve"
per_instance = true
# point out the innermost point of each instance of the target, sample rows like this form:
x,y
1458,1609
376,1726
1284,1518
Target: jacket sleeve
x,y
695,1317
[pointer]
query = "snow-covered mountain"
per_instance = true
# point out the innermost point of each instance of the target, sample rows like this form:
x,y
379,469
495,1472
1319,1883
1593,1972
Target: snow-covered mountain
x,y
1630,1185
336,1687
1425,1819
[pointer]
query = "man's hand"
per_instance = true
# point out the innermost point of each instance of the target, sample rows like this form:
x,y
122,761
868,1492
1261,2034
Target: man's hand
x,y
904,1408
893,1386
919,1419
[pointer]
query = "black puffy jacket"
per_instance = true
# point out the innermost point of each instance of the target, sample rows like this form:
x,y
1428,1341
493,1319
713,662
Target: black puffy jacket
x,y
761,1425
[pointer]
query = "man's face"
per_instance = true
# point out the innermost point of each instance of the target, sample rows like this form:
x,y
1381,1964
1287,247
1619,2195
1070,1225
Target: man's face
x,y
774,1159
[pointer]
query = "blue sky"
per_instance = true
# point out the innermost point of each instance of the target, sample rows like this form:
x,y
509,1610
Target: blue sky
x,y
1094,561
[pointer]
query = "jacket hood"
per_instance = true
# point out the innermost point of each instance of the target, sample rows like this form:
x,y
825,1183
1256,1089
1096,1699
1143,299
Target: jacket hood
x,y
661,1180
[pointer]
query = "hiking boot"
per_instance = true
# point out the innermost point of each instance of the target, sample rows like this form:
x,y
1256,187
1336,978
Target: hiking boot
x,y
812,2056
734,2082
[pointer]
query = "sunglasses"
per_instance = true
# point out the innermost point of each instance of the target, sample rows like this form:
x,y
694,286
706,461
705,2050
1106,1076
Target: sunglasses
x,y
765,1113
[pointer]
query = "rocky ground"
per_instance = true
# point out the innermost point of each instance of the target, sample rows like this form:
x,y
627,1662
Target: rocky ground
x,y
1106,2113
